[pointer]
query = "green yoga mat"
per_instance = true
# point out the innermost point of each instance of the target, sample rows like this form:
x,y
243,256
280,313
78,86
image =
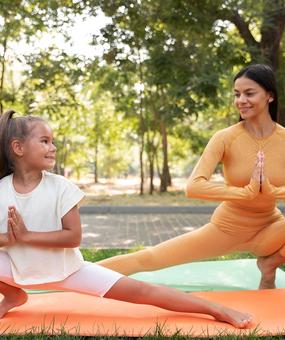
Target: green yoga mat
x,y
210,275
206,276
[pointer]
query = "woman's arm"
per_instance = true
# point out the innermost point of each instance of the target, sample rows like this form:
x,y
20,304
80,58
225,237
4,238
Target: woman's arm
x,y
68,237
271,190
200,186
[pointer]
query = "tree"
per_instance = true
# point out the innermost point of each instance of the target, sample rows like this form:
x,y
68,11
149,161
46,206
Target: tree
x,y
24,20
51,90
105,131
162,55
267,48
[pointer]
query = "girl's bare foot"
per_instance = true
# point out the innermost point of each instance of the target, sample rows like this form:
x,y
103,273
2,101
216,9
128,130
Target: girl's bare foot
x,y
235,318
18,298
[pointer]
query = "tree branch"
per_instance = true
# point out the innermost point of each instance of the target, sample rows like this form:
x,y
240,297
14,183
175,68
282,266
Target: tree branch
x,y
272,30
243,29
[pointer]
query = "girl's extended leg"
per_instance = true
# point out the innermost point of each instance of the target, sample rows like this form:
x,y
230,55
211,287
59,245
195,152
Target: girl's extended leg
x,y
130,290
202,243
96,280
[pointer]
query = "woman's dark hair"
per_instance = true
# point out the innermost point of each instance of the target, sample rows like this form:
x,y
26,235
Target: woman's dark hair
x,y
264,76
12,128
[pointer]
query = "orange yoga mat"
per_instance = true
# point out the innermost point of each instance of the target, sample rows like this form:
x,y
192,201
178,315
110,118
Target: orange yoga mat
x,y
85,315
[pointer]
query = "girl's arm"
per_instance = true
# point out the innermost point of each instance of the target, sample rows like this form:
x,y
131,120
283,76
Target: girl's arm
x,y
68,237
7,239
199,184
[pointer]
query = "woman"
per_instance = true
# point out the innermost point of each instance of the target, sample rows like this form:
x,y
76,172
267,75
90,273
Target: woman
x,y
253,158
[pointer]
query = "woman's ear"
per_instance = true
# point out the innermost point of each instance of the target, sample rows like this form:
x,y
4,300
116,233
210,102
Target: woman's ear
x,y
17,148
271,97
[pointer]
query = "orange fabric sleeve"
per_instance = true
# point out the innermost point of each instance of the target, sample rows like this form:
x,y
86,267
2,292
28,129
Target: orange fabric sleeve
x,y
272,190
199,184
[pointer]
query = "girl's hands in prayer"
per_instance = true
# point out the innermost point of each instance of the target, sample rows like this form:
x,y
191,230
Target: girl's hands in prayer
x,y
16,225
8,239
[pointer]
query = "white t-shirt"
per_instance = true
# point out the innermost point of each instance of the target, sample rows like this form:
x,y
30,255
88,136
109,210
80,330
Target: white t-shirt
x,y
41,210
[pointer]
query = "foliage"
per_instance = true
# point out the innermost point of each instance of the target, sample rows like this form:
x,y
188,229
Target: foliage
x,y
161,88
27,20
50,90
104,132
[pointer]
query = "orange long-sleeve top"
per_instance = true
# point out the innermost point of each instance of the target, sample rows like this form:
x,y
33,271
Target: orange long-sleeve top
x,y
237,150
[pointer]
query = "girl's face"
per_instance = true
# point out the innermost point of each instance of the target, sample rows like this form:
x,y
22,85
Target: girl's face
x,y
251,99
39,151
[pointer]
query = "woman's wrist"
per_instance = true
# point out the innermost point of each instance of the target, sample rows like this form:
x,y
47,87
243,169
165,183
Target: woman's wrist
x,y
267,188
253,188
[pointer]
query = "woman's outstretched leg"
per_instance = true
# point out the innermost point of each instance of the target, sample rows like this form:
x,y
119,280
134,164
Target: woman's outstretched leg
x,y
12,297
130,290
199,244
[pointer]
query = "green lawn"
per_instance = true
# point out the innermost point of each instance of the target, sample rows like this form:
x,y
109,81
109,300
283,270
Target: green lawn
x,y
94,255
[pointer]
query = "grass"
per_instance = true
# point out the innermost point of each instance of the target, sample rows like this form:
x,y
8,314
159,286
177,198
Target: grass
x,y
94,254
158,335
126,192
175,198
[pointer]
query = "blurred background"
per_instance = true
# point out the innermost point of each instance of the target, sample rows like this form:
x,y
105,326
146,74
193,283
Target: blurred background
x,y
134,89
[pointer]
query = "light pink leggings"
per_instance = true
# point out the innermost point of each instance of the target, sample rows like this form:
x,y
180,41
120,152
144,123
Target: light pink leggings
x,y
91,279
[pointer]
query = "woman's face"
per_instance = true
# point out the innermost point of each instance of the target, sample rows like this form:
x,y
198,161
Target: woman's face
x,y
251,99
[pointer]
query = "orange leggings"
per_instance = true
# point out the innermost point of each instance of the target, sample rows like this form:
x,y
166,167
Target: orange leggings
x,y
229,231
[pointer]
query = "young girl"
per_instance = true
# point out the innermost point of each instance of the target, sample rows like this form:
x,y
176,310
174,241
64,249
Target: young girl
x,y
41,230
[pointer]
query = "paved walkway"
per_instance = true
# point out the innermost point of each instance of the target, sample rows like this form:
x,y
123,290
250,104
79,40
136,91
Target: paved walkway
x,y
130,230
127,227
131,226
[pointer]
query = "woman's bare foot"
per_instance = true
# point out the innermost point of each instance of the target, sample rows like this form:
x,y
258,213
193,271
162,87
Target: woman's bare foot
x,y
235,318
18,298
267,267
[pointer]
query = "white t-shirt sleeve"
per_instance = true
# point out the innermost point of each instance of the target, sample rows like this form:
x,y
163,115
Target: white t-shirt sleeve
x,y
70,196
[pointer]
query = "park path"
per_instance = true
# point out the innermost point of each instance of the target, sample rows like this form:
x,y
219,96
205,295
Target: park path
x,y
132,226
127,227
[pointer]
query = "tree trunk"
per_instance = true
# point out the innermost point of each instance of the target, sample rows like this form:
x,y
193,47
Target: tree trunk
x,y
3,74
157,166
271,31
151,150
271,35
142,127
165,179
151,173
96,163
141,166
